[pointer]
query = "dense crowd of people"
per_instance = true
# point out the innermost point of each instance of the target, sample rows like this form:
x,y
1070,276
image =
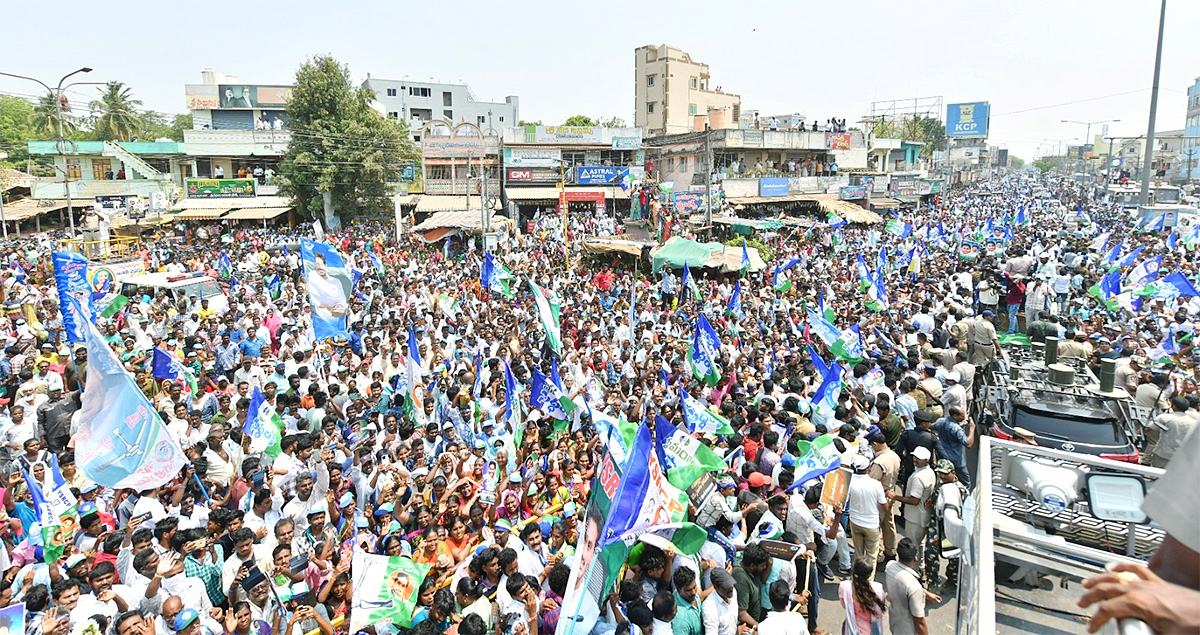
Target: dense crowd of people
x,y
486,493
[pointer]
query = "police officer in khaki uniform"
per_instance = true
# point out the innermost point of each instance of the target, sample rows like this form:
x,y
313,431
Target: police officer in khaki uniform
x,y
982,335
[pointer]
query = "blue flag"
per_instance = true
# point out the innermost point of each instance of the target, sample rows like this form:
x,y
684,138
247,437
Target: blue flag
x,y
165,365
1132,257
735,301
510,389
74,293
264,427
121,442
1110,284
375,261
1175,285
704,352
224,266
477,389
644,498
544,396
745,266
1113,254
1172,242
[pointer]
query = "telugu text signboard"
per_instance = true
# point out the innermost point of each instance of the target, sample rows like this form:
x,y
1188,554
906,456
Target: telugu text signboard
x,y
689,202
773,187
852,192
837,140
532,157
968,121
565,134
626,143
453,146
220,188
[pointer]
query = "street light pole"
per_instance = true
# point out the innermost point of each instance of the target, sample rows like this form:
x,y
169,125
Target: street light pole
x,y
57,93
1148,160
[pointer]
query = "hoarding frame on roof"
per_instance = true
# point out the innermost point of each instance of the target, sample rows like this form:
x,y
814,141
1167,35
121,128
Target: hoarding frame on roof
x,y
773,186
968,120
247,96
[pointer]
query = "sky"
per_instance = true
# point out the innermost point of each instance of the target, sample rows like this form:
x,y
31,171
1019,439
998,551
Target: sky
x,y
1036,62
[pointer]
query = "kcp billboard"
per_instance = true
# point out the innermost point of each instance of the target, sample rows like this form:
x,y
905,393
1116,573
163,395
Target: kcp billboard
x,y
968,121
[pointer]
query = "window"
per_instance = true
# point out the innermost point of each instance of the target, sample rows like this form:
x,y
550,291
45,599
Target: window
x,y
73,171
479,119
691,109
694,82
393,114
683,164
649,80
502,118
650,107
670,164
391,92
447,98
448,114
419,92
101,168
438,172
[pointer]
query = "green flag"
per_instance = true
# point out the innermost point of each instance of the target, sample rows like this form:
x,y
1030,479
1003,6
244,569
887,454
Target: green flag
x,y
548,306
385,591
115,306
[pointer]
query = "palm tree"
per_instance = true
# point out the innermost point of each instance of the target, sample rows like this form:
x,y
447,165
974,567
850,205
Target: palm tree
x,y
117,117
45,117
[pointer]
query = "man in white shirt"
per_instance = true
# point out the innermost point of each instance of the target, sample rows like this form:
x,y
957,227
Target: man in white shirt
x,y
867,505
781,621
720,609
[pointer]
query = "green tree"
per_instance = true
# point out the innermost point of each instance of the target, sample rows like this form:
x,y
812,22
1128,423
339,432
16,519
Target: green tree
x,y
117,116
522,123
340,144
16,128
581,120
614,122
1045,164
156,125
1015,162
916,128
45,118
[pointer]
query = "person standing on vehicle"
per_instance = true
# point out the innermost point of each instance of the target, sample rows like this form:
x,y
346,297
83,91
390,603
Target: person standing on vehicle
x,y
953,440
917,500
1172,427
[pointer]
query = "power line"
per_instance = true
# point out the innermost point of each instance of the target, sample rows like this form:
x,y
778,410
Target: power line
x,y
1071,103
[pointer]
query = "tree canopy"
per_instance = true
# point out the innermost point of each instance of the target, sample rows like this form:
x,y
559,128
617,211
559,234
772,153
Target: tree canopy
x,y
580,120
340,144
917,128
117,115
1015,162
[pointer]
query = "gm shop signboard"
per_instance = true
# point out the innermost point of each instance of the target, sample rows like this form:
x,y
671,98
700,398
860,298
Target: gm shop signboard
x,y
968,121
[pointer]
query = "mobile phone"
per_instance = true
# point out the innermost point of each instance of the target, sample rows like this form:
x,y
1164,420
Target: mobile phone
x,y
257,478
143,517
298,564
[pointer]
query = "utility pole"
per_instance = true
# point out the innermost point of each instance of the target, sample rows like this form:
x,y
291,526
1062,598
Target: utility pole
x,y
57,93
1148,160
708,184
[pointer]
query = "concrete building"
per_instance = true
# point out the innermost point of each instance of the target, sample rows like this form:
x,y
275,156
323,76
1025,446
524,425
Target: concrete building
x,y
235,126
419,103
674,94
1190,152
682,158
590,161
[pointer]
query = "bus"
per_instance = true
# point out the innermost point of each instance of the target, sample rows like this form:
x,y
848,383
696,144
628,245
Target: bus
x,y
1129,196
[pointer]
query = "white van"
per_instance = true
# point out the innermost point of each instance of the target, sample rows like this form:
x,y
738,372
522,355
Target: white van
x,y
181,286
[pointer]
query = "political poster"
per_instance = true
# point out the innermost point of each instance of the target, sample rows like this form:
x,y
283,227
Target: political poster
x,y
71,279
329,286
385,590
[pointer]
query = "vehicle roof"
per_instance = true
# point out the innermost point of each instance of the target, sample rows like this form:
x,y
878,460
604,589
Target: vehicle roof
x,y
165,280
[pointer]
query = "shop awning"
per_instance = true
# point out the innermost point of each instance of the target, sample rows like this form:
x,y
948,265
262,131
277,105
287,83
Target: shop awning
x,y
27,208
533,193
255,213
885,203
469,220
758,200
678,250
609,245
446,203
201,214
